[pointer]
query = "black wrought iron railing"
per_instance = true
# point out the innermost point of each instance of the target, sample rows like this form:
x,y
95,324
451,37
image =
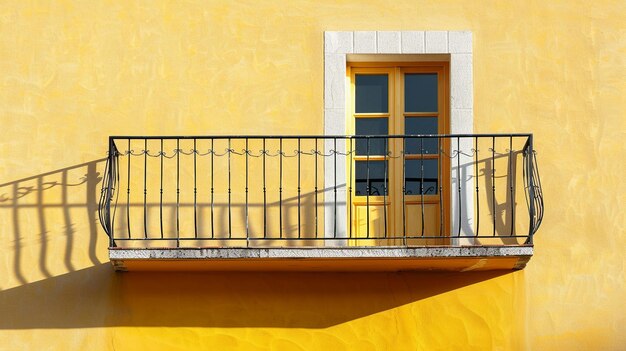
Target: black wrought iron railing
x,y
466,189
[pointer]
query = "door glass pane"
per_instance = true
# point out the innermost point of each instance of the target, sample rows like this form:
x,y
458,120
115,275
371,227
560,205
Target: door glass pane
x,y
414,177
372,93
376,177
421,125
420,92
371,126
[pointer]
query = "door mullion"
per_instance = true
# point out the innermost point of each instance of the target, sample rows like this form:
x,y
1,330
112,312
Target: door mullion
x,y
395,164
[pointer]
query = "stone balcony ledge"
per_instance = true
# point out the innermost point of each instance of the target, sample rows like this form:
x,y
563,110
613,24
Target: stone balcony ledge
x,y
425,258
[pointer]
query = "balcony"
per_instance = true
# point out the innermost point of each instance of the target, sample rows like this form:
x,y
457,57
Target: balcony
x,y
375,203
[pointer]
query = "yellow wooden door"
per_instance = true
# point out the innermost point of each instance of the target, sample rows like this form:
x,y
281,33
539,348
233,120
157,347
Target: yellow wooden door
x,y
398,193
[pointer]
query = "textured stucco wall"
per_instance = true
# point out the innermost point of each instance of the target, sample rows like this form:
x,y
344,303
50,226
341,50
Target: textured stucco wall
x,y
73,73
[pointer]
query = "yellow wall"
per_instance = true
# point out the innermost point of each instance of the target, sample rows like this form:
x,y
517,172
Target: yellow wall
x,y
72,73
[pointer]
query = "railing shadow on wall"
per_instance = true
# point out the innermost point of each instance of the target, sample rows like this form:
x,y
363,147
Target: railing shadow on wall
x,y
46,204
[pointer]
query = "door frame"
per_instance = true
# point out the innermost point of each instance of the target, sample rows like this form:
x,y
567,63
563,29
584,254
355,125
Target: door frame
x,y
395,216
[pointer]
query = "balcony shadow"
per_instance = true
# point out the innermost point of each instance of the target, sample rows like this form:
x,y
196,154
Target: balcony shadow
x,y
61,206
98,297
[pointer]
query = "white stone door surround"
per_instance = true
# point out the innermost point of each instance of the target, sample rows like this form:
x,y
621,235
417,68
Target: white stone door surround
x,y
339,46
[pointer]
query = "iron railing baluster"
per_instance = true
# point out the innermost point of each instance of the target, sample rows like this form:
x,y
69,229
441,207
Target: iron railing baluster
x,y
299,153
422,182
195,190
316,205
118,184
385,160
440,186
403,153
247,218
264,193
335,189
493,183
539,206
212,188
109,196
477,186
367,190
177,192
280,190
511,191
145,190
526,179
531,190
161,190
350,180
458,183
538,195
128,190
230,220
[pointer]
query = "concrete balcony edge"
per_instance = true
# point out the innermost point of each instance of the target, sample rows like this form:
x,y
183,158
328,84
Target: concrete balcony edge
x,y
430,258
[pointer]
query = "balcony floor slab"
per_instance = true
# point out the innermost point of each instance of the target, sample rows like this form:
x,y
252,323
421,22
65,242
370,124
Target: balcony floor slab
x,y
423,258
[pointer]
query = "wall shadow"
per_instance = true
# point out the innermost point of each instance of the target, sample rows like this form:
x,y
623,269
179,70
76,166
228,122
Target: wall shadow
x,y
64,203
98,297
44,208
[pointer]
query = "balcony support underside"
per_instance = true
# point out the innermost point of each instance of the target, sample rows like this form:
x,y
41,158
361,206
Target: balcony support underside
x,y
430,258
